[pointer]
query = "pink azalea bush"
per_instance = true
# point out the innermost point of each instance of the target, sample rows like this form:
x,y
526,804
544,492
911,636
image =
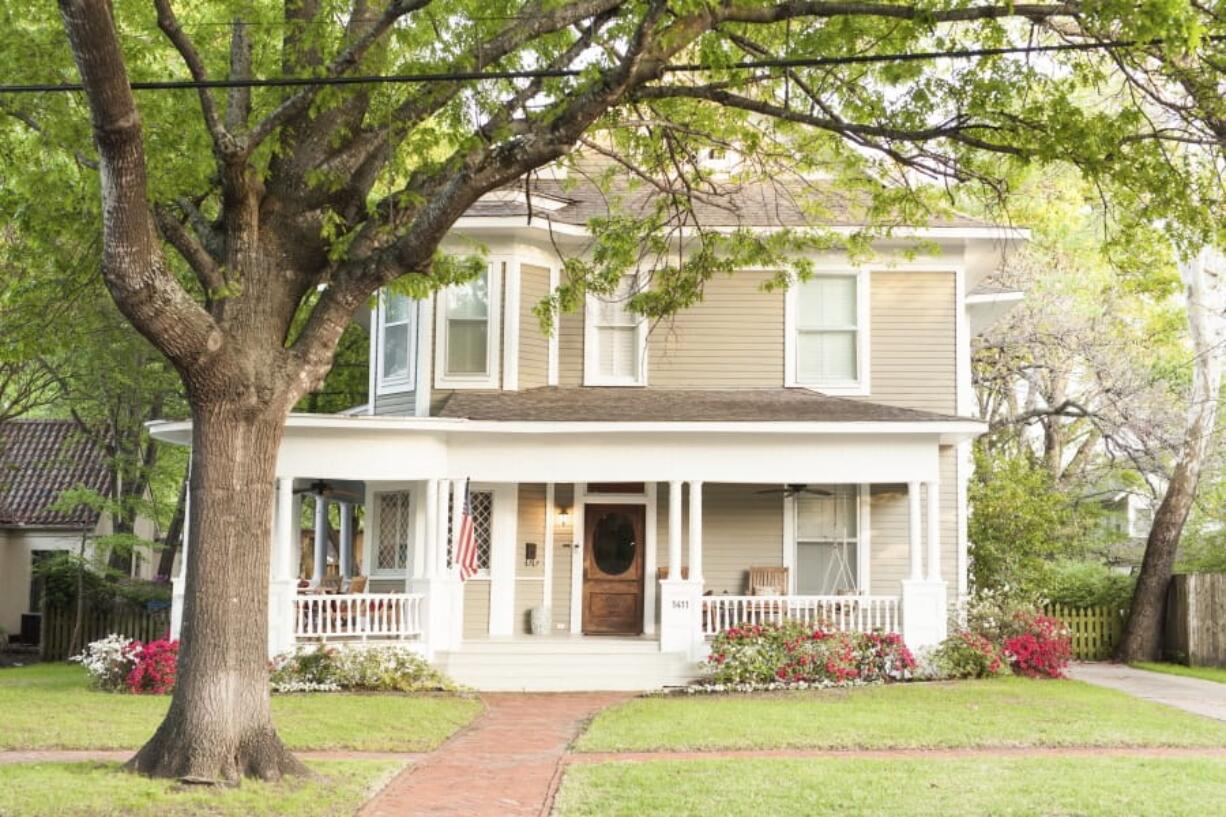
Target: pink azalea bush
x,y
154,669
1040,647
969,655
1005,636
794,654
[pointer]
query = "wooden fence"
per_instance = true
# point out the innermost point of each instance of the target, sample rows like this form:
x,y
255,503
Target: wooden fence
x,y
1095,631
138,623
1196,619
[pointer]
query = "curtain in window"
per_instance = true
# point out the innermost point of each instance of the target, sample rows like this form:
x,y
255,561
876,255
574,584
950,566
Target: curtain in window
x,y
468,327
826,330
398,311
617,334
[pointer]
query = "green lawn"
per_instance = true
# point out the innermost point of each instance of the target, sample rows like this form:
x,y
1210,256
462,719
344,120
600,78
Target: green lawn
x,y
859,787
100,790
1002,712
1217,674
49,706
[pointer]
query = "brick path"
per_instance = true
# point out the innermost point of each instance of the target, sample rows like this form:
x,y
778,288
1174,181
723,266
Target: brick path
x,y
121,755
506,764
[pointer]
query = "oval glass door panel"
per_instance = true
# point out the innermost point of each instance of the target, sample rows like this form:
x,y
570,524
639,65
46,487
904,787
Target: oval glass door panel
x,y
613,544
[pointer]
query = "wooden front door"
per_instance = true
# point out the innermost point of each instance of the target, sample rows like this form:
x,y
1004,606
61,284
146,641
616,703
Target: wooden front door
x,y
613,569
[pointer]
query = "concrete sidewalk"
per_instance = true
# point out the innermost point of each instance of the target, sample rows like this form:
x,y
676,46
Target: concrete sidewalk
x,y
1206,698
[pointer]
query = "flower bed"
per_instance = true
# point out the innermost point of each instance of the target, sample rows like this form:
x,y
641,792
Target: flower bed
x,y
117,664
377,669
793,655
1003,636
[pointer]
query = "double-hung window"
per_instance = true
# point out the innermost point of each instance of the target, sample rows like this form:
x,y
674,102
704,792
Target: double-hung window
x,y
397,347
615,339
827,540
827,334
467,336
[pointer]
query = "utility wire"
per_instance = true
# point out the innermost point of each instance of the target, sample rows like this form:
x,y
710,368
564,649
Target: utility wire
x,y
549,73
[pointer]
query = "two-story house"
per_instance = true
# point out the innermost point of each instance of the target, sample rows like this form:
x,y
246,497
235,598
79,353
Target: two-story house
x,y
765,455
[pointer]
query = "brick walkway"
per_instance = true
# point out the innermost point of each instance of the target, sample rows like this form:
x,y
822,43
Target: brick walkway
x,y
121,755
506,764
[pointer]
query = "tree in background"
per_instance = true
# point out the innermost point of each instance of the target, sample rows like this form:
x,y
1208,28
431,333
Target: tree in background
x,y
275,197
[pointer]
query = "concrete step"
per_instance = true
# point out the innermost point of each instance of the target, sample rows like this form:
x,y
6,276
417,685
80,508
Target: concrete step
x,y
546,670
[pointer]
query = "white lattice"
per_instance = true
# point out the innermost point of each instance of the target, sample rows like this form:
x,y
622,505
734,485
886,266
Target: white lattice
x,y
394,521
482,505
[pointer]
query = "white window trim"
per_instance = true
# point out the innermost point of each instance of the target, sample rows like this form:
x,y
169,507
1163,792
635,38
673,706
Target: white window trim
x,y
370,553
863,540
591,351
861,386
405,383
493,358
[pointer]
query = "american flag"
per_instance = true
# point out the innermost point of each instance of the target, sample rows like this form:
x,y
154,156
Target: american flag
x,y
466,542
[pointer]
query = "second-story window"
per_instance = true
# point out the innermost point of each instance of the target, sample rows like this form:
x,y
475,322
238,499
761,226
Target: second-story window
x,y
615,339
827,334
467,336
397,347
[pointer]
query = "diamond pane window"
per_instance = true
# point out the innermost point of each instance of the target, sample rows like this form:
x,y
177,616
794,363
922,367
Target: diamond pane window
x,y
482,505
395,523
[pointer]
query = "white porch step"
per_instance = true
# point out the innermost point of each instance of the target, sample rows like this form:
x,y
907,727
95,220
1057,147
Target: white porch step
x,y
566,665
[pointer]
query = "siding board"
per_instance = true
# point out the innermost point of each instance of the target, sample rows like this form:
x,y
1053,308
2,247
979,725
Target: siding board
x,y
533,344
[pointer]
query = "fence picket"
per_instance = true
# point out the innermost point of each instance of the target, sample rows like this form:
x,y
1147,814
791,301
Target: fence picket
x,y
58,622
1093,631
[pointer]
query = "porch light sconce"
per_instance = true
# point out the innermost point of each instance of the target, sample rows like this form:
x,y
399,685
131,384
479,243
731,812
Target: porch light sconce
x,y
563,517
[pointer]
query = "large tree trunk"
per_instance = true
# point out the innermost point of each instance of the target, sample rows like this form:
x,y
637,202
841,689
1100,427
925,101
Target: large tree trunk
x,y
219,727
1142,639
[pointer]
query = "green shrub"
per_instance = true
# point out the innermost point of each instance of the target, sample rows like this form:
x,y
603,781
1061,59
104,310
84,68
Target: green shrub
x,y
969,655
1086,584
375,669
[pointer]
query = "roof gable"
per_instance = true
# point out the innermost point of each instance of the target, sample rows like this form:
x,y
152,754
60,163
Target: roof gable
x,y
39,460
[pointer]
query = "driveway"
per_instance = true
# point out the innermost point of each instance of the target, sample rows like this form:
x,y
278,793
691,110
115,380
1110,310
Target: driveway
x,y
1193,695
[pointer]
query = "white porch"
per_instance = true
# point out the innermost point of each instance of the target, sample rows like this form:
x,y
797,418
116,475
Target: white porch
x,y
700,535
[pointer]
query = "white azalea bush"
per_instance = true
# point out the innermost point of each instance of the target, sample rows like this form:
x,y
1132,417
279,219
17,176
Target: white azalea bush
x,y
327,668
108,661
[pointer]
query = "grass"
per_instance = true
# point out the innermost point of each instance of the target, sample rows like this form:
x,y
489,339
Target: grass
x,y
50,706
99,790
1001,712
962,787
1217,674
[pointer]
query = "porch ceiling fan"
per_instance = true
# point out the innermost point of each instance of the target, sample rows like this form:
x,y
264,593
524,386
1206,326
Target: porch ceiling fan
x,y
795,488
319,488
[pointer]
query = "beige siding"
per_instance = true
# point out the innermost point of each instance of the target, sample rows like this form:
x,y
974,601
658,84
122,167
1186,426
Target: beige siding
x,y
740,528
476,608
570,349
527,595
530,527
533,344
913,354
889,546
732,339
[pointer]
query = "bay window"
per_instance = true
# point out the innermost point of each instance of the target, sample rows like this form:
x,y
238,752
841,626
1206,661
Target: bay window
x,y
468,330
397,343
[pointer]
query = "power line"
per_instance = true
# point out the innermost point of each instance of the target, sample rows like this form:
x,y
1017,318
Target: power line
x,y
553,73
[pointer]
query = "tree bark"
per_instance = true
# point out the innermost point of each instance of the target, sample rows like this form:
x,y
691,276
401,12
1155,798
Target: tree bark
x,y
219,727
1142,640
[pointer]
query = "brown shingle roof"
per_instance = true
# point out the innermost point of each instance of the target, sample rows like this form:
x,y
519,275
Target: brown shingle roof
x,y
609,404
747,204
39,459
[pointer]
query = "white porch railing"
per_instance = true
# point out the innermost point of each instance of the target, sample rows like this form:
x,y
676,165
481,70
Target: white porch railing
x,y
358,615
857,613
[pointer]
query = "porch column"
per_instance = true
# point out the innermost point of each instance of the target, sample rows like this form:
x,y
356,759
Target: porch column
x,y
179,581
934,532
346,510
924,605
430,545
680,625
321,541
674,530
695,532
914,527
282,586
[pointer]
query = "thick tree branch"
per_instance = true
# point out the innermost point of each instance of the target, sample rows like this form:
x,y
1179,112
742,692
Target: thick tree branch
x,y
207,271
133,267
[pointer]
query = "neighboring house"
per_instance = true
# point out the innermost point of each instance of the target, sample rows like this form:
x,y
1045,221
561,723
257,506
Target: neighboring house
x,y
764,455
1128,516
39,460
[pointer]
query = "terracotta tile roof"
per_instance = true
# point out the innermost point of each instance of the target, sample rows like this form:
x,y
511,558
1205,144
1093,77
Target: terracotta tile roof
x,y
39,459
606,404
753,204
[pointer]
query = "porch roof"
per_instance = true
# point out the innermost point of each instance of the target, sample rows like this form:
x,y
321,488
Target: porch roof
x,y
630,405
